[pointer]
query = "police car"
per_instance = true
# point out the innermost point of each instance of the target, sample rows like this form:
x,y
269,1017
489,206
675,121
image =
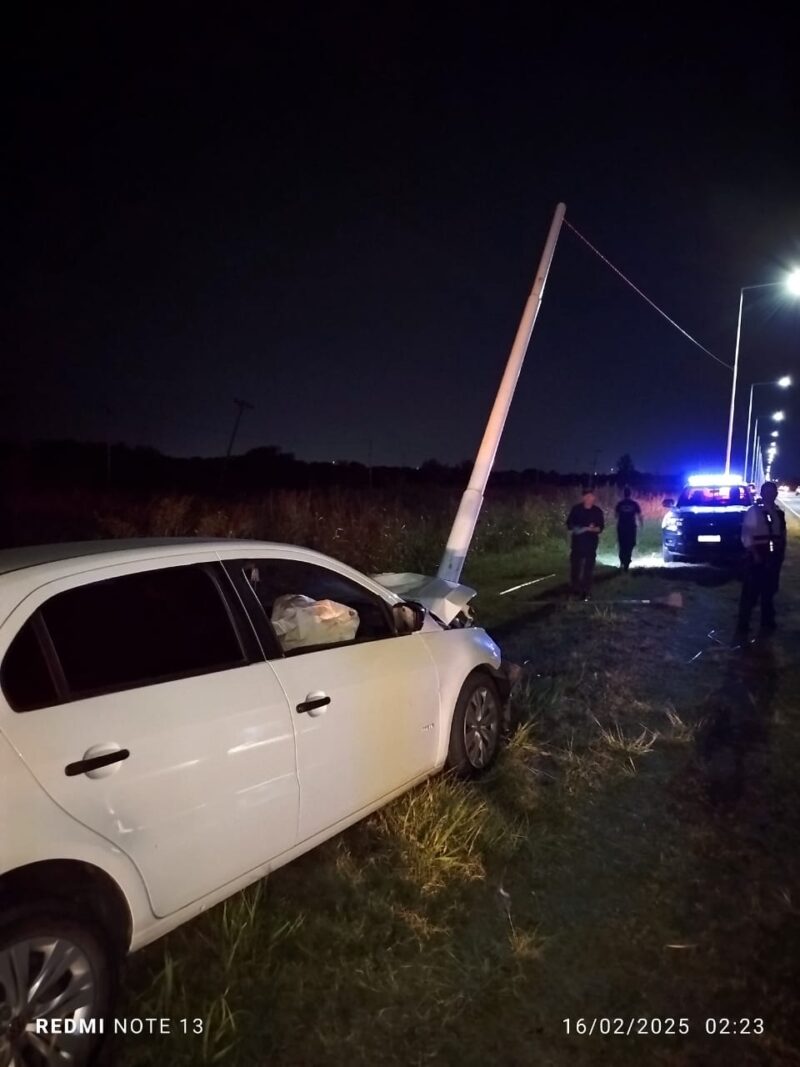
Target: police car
x,y
705,524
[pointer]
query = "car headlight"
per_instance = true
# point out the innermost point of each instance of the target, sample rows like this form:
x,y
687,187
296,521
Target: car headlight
x,y
672,523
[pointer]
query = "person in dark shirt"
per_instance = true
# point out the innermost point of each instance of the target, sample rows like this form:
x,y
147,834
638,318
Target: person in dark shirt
x,y
585,523
629,519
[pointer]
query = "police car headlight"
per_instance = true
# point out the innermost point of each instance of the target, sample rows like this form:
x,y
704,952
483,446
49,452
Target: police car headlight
x,y
671,523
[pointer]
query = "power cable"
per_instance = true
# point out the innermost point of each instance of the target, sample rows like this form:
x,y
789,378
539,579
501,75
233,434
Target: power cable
x,y
644,296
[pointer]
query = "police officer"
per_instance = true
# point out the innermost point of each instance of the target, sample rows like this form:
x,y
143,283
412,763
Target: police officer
x,y
585,523
764,538
629,519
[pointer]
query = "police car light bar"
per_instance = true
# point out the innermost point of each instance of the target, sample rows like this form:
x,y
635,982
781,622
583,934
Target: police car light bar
x,y
714,480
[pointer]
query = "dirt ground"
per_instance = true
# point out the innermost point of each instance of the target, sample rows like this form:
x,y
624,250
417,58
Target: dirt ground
x,y
674,894
623,889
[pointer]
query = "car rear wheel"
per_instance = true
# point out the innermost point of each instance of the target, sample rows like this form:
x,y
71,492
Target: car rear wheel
x,y
475,732
52,968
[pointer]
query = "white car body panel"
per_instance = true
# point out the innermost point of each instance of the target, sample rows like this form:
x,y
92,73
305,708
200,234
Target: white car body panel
x,y
381,728
379,732
456,653
148,928
226,780
208,753
50,833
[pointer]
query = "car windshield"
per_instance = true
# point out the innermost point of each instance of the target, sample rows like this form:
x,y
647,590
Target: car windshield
x,y
715,496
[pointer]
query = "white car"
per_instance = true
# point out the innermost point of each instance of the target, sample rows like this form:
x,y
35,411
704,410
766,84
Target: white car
x,y
163,744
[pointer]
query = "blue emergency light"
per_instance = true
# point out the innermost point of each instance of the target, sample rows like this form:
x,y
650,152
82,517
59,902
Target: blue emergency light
x,y
714,480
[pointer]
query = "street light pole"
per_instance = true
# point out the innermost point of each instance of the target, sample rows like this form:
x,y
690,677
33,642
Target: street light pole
x,y
792,283
755,440
463,528
733,386
777,416
783,383
747,439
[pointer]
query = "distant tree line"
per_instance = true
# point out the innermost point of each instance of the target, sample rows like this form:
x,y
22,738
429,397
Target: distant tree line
x,y
80,464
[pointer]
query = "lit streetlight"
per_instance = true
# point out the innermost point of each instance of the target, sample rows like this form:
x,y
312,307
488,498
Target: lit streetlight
x,y
792,285
777,416
783,383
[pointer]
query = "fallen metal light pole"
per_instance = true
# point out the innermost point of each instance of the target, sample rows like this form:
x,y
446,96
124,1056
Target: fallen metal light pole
x,y
467,516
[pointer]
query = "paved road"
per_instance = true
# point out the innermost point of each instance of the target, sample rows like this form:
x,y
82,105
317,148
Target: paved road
x,y
790,503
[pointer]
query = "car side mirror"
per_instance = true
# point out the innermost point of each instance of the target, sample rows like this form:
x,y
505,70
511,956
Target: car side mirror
x,y
409,617
668,502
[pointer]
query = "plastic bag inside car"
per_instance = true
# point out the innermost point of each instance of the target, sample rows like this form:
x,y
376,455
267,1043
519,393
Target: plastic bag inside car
x,y
300,621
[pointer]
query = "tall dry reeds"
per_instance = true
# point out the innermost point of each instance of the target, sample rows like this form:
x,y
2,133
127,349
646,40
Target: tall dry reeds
x,y
373,531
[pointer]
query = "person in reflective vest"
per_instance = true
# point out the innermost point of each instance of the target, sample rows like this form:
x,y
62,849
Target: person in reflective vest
x,y
764,539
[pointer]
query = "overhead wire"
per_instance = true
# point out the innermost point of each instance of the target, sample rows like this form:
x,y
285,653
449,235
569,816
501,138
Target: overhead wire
x,y
644,296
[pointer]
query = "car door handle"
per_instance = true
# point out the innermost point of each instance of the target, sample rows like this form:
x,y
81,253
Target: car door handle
x,y
95,763
314,703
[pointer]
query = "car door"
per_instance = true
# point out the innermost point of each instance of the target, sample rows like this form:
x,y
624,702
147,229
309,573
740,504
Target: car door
x,y
365,709
141,701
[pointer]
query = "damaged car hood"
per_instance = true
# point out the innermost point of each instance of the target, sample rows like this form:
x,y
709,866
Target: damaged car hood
x,y
446,600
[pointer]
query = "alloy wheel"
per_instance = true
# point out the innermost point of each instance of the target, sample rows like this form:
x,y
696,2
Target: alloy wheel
x,y
481,727
45,978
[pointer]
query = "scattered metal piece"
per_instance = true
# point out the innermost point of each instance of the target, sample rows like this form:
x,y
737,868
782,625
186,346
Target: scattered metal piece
x,y
733,646
672,600
524,585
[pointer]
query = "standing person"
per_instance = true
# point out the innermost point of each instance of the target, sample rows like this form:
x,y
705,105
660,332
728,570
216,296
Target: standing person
x,y
764,538
629,520
585,523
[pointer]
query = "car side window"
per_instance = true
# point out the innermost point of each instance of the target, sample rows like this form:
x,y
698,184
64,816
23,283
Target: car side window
x,y
126,632
26,678
310,607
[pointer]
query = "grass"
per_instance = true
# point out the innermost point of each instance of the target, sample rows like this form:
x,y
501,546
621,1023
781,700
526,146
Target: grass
x,y
598,870
632,854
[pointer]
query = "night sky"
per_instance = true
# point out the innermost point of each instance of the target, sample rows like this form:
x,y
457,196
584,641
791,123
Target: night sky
x,y
338,217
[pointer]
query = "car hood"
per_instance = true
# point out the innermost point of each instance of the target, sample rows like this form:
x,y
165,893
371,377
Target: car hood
x,y
442,598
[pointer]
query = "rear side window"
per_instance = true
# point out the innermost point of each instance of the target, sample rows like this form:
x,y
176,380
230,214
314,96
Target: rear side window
x,y
721,496
27,682
126,632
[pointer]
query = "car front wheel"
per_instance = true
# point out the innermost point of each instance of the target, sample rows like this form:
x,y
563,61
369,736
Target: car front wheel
x,y
475,732
52,969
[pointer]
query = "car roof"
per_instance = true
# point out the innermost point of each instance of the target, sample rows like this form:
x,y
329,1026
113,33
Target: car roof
x,y
26,568
16,559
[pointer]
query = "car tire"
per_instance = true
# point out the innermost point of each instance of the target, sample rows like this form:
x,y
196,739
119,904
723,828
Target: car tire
x,y
476,727
79,969
669,557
